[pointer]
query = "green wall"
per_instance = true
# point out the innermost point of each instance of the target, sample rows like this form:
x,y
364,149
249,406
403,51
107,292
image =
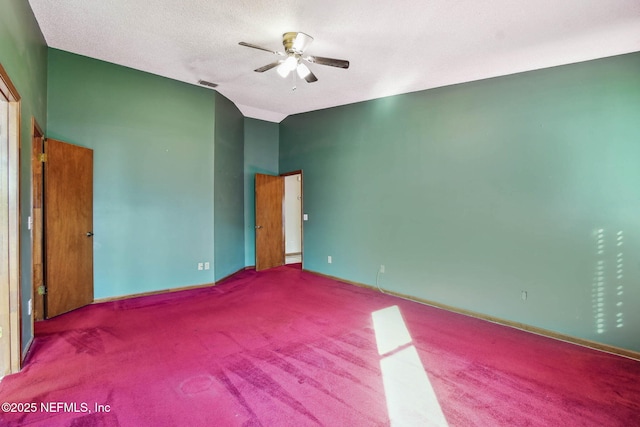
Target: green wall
x,y
471,194
229,188
23,54
260,156
153,142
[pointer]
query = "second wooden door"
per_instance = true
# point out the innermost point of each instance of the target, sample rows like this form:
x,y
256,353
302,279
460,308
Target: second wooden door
x,y
68,227
269,225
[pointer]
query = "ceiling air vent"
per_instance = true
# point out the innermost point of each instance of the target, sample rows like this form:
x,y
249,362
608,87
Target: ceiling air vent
x,y
206,83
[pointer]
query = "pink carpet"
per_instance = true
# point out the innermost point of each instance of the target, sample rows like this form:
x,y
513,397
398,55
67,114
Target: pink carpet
x,y
288,348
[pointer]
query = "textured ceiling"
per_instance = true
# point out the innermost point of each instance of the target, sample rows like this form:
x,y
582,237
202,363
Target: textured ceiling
x,y
394,46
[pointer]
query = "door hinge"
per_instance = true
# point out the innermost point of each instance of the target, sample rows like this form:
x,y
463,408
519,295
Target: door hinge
x,y
43,157
42,290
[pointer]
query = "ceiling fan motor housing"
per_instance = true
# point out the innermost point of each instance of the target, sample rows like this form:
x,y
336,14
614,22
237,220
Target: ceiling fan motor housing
x,y
296,42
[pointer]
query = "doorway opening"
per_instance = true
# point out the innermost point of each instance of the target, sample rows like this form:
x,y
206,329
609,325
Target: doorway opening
x,y
293,219
37,230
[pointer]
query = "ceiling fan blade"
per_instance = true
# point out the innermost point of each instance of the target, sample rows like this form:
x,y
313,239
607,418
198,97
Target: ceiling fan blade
x,y
340,63
268,67
310,78
261,48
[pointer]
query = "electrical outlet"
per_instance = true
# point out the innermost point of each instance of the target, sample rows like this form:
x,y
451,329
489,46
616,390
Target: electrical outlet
x,y
329,259
200,266
381,268
207,265
523,295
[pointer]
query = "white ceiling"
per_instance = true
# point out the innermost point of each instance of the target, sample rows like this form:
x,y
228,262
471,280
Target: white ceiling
x,y
394,46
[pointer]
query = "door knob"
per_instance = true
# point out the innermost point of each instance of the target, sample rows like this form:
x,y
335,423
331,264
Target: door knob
x,y
258,226
90,234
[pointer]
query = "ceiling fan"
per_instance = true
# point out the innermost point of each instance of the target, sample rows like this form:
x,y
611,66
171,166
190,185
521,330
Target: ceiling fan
x,y
295,44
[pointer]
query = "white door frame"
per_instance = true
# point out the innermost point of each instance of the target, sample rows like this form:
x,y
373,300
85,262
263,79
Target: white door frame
x,y
10,318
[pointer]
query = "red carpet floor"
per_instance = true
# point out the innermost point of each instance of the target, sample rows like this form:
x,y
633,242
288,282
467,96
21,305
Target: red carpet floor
x,y
288,348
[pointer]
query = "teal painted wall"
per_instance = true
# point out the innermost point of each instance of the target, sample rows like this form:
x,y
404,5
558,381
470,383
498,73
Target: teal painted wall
x,y
153,142
470,194
23,54
261,145
229,188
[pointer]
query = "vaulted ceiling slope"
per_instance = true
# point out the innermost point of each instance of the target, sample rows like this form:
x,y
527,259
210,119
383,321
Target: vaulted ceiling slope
x,y
394,47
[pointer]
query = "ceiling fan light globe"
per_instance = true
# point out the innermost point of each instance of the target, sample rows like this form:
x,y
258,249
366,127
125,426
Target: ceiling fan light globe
x,y
291,63
287,66
283,71
303,71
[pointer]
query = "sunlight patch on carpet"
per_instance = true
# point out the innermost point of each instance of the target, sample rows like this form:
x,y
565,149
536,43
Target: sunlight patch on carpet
x,y
391,332
410,397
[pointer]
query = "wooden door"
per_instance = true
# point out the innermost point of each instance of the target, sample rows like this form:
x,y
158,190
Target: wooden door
x,y
269,224
68,227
